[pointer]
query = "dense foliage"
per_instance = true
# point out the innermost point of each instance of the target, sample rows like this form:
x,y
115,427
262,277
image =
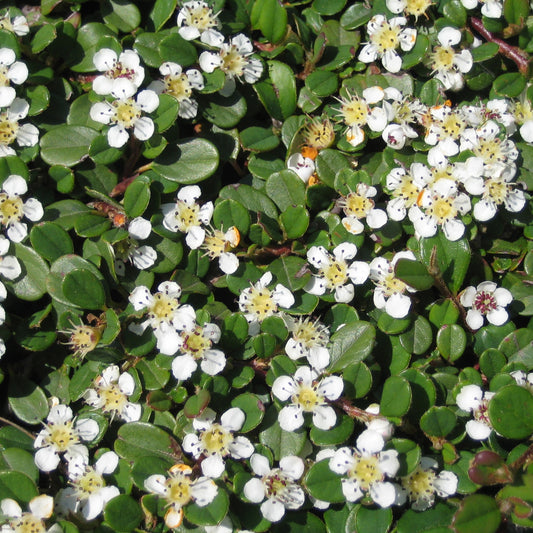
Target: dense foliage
x,y
266,266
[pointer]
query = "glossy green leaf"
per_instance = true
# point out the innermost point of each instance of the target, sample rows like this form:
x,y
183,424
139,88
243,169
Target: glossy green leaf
x,y
27,400
32,283
294,220
137,197
17,486
176,49
124,16
510,412
396,397
477,512
286,189
438,421
414,274
350,344
51,241
123,513
140,439
256,139
323,484
270,18
83,289
451,341
210,514
66,145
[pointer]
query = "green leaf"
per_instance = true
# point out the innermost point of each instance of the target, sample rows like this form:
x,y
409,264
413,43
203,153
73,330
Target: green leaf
x,y
27,400
19,460
270,18
517,346
350,344
144,467
438,421
281,442
451,342
418,338
477,512
322,83
122,513
451,258
328,163
372,520
396,397
323,484
289,271
83,289
45,36
423,392
338,434
195,405
51,241
510,84
250,198
67,145
434,520
101,153
229,213
278,92
443,312
211,514
357,380
294,220
225,112
39,99
515,11
147,45
355,16
89,36
32,285
136,440
455,12
256,139
153,377
510,412
417,53
176,49
121,14
414,274
189,161
161,12
137,197
17,486
253,409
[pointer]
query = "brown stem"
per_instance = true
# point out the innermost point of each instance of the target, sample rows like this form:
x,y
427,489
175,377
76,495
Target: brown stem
x,y
355,412
524,459
513,53
6,421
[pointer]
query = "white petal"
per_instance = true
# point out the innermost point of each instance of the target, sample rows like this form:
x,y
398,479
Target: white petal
x,y
213,362
15,185
140,228
10,267
259,464
469,397
42,506
213,466
117,136
474,319
148,100
254,490
477,430
272,510
291,417
233,419
370,442
446,484
46,459
497,316
345,293
107,463
324,417
241,448
143,128
383,493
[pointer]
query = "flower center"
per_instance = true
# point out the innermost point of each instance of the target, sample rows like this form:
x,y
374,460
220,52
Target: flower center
x,y
200,17
233,62
484,302
497,190
83,339
178,86
120,71
489,150
481,413
4,79
420,484
522,112
62,435
214,244
417,7
11,209
354,112
216,440
187,215
278,486
319,134
357,205
453,125
260,303
179,489
310,333
392,285
366,471
335,274
195,343
27,523
163,308
408,191
90,482
126,112
114,399
442,58
8,130
386,38
307,398
441,173
403,112
442,210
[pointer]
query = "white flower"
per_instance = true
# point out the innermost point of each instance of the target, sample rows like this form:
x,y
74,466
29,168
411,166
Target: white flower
x,y
88,493
471,398
277,485
142,257
521,113
187,216
448,65
165,315
307,394
304,167
11,71
216,440
234,59
490,8
11,130
196,347
440,207
178,489
359,204
378,424
335,273
385,36
197,19
486,300
122,74
62,434
13,209
40,508
444,127
523,379
125,113
179,85
308,339
366,468
258,302
356,112
389,293
410,7
217,244
405,188
9,264
110,394
17,25
421,485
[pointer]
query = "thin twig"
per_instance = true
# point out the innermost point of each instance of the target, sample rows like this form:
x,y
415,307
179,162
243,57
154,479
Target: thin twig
x,y
6,421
